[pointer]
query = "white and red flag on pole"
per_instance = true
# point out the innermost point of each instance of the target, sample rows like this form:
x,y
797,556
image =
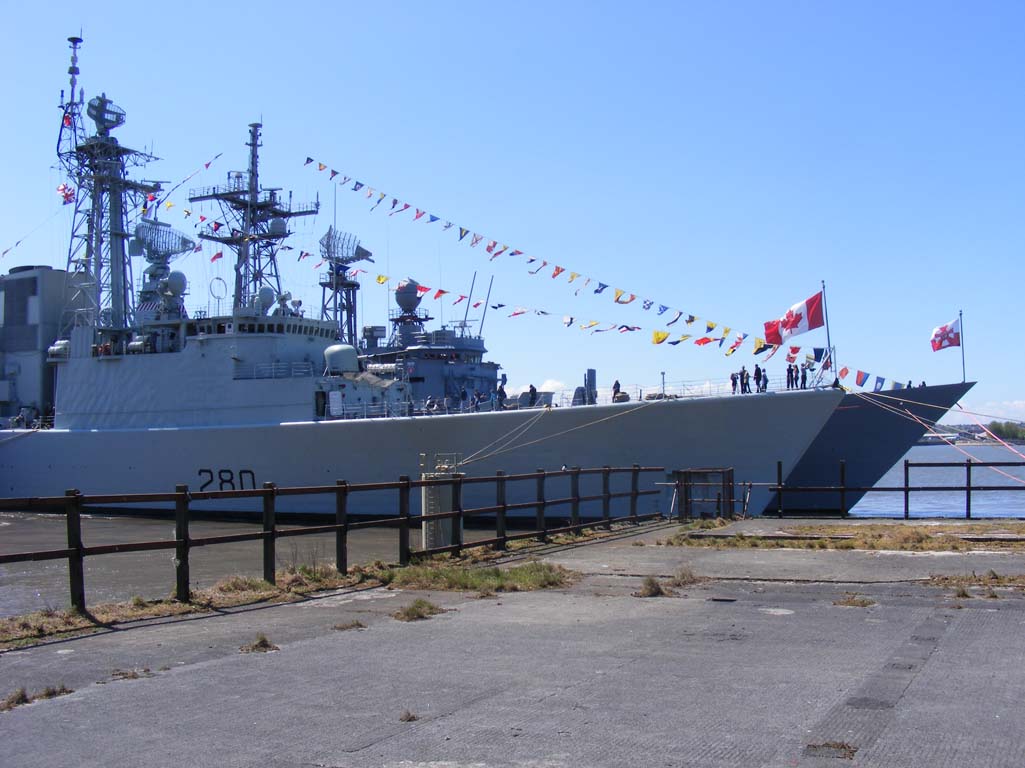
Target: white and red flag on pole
x,y
800,318
948,335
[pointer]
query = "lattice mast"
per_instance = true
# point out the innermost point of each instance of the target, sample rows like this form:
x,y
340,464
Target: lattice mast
x,y
338,291
255,224
103,196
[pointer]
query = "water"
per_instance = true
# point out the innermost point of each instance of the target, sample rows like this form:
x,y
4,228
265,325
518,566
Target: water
x,y
950,504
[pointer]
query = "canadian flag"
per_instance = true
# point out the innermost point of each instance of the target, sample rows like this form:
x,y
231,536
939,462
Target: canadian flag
x,y
800,318
948,335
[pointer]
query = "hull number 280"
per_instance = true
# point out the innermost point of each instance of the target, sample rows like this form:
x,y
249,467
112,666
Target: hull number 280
x,y
227,480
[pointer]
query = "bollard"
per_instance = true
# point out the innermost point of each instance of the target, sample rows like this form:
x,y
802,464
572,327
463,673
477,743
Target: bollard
x,y
182,593
269,561
342,534
76,574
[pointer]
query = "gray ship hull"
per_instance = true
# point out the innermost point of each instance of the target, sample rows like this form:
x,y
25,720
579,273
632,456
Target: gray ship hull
x,y
870,433
743,433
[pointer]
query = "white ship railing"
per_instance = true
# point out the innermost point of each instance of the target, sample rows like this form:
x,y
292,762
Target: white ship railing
x,y
274,371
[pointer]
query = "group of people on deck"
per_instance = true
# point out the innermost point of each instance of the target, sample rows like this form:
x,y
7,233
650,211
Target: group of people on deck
x,y
797,376
742,380
494,401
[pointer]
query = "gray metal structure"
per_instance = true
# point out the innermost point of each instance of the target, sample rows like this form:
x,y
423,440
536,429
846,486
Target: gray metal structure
x,y
104,198
338,291
256,224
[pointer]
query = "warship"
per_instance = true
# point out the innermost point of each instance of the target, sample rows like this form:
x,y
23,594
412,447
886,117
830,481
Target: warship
x,y
147,396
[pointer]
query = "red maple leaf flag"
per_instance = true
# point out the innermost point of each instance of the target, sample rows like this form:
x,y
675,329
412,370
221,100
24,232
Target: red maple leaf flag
x,y
948,335
800,318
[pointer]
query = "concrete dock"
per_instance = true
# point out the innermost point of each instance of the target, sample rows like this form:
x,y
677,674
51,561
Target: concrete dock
x,y
755,667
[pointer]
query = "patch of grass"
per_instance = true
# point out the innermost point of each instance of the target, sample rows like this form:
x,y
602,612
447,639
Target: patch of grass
x,y
260,645
834,749
650,587
990,579
354,624
138,602
991,594
961,592
527,577
408,717
20,697
853,600
637,543
684,577
418,610
49,692
16,699
131,674
242,584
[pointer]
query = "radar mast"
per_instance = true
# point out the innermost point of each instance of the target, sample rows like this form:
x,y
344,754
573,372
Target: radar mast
x,y
256,223
103,196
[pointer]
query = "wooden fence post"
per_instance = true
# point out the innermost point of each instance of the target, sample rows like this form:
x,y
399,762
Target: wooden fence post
x,y
635,481
907,491
404,520
843,488
76,572
269,561
606,496
342,534
779,489
501,503
540,509
574,484
457,521
968,489
182,592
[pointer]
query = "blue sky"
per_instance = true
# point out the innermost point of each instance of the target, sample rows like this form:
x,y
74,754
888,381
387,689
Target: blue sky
x,y
721,159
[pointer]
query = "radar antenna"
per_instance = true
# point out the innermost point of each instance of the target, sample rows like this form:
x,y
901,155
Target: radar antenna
x,y
338,290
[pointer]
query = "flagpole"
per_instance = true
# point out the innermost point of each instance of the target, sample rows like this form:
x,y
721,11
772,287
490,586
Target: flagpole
x,y
960,322
829,343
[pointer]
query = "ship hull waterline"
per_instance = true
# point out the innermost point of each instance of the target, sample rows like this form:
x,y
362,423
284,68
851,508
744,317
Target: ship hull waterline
x,y
742,433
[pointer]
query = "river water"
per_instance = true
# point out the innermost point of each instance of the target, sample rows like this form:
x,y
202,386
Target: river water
x,y
27,587
950,504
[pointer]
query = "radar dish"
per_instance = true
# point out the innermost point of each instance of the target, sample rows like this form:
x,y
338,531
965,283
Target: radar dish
x,y
342,248
160,241
105,113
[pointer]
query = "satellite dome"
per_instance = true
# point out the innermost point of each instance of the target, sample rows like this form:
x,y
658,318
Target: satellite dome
x,y
407,295
177,283
265,298
341,358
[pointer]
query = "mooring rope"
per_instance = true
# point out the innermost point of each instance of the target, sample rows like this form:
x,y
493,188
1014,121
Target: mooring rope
x,y
624,412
